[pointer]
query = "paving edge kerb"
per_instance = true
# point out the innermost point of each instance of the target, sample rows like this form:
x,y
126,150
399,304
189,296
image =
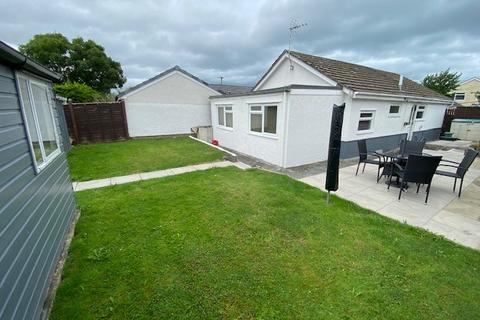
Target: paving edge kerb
x,y
93,184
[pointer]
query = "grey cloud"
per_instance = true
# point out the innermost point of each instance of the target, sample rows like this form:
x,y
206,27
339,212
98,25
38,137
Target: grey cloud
x,y
240,39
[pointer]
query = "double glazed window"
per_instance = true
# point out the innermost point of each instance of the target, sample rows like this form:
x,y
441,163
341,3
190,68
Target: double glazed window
x,y
225,116
366,120
38,110
420,113
263,119
394,110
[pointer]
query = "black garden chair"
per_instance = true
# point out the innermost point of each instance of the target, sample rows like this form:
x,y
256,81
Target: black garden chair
x,y
408,147
419,139
461,167
363,157
419,169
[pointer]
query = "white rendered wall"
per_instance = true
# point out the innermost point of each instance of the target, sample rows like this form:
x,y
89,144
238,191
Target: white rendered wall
x,y
309,117
309,126
283,76
239,138
156,119
385,124
170,106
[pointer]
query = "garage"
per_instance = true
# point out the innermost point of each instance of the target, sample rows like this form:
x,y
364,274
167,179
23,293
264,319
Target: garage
x,y
171,103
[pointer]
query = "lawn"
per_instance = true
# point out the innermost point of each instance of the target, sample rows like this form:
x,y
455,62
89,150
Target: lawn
x,y
232,244
104,160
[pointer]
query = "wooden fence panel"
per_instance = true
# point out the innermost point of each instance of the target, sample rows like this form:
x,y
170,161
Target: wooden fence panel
x,y
96,122
459,113
447,119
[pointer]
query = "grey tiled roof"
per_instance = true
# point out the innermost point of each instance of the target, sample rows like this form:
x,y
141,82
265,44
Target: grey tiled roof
x,y
361,78
230,89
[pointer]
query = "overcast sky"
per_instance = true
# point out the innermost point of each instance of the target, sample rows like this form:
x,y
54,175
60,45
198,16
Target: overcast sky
x,y
240,39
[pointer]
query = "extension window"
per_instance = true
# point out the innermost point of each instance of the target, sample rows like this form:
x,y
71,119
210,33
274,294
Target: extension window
x,y
37,107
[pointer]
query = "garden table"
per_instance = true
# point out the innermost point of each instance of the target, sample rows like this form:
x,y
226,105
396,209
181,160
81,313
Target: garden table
x,y
391,157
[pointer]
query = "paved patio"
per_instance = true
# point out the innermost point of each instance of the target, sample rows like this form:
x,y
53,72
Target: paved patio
x,y
445,214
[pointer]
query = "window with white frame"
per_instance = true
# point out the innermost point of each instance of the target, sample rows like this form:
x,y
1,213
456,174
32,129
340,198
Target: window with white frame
x,y
37,106
365,123
459,96
420,114
263,119
394,111
225,115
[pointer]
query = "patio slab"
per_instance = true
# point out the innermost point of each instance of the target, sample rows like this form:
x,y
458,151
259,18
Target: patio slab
x,y
447,145
457,219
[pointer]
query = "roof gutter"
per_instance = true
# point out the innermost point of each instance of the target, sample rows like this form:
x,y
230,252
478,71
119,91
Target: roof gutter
x,y
359,94
20,61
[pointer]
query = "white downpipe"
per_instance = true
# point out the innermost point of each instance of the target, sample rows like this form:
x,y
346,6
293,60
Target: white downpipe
x,y
285,130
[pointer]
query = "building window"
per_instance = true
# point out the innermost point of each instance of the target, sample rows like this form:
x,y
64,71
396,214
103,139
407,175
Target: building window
x,y
263,119
365,123
225,116
459,96
221,116
394,110
37,106
420,113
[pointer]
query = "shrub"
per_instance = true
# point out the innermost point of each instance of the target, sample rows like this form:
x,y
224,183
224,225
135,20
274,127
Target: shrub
x,y
77,92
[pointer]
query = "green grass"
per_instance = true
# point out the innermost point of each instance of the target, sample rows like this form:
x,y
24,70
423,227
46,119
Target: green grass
x,y
104,160
232,244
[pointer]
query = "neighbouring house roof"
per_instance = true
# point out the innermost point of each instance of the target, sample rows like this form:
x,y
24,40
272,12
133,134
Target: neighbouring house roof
x,y
21,61
161,75
230,89
275,90
361,78
471,79
220,88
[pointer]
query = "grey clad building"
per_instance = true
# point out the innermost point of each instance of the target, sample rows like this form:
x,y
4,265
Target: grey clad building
x,y
37,203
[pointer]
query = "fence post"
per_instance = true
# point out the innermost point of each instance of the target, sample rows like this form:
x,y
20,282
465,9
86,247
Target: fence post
x,y
124,115
74,123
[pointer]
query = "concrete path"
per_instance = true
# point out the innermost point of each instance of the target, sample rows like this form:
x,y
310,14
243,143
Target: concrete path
x,y
93,184
445,214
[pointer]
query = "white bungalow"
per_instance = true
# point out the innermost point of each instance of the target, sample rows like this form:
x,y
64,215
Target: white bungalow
x,y
285,119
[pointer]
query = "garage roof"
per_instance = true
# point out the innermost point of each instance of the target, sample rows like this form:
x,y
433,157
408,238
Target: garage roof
x,y
230,89
220,88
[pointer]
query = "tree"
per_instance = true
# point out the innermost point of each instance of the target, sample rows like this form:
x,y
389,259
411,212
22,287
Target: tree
x,y
77,61
77,92
90,65
50,49
443,82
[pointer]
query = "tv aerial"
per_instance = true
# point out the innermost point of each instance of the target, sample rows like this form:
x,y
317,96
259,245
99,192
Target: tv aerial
x,y
293,29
